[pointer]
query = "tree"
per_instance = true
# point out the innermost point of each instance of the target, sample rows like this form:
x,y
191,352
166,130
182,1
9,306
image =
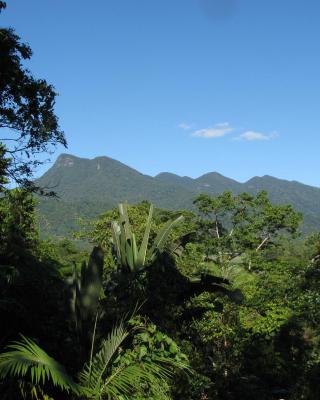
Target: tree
x,y
233,225
18,229
29,124
4,165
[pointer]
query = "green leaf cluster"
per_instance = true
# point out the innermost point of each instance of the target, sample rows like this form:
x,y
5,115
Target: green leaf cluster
x,y
129,256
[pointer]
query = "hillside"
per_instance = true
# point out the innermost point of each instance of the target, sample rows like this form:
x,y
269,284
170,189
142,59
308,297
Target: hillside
x,y
88,187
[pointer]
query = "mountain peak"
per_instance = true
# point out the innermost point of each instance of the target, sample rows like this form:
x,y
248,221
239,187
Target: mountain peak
x,y
65,160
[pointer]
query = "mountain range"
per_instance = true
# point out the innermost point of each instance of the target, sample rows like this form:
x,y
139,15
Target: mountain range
x,y
88,187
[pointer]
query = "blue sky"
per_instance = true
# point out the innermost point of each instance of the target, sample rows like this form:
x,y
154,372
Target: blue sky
x,y
186,86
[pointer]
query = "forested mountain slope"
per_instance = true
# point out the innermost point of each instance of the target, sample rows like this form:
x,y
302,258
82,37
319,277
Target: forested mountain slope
x,y
88,187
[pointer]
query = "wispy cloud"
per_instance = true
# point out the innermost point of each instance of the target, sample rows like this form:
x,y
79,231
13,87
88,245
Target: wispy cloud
x,y
216,131
184,126
250,136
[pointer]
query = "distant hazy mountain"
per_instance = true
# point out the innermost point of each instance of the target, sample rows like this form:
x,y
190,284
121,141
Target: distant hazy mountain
x,y
88,187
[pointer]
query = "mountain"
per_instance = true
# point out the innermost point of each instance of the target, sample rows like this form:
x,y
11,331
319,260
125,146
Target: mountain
x,y
86,188
106,180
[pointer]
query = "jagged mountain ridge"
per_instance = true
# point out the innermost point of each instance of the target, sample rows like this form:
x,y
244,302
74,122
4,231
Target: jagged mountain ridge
x,y
87,187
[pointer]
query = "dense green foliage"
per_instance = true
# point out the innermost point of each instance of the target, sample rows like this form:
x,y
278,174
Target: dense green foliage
x,y
87,188
234,292
100,377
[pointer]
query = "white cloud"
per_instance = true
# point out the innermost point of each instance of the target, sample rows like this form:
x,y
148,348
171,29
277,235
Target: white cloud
x,y
218,130
250,136
184,126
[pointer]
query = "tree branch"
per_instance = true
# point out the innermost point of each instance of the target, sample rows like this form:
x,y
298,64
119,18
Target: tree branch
x,y
262,243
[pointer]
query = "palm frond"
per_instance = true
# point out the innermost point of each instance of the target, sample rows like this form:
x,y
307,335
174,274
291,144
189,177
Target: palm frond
x,y
126,380
25,359
92,373
100,381
161,238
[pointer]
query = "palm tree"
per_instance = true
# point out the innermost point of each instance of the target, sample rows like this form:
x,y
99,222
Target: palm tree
x,y
99,379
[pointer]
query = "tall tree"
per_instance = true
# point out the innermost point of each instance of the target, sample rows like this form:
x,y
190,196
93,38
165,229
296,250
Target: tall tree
x,y
27,118
233,225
